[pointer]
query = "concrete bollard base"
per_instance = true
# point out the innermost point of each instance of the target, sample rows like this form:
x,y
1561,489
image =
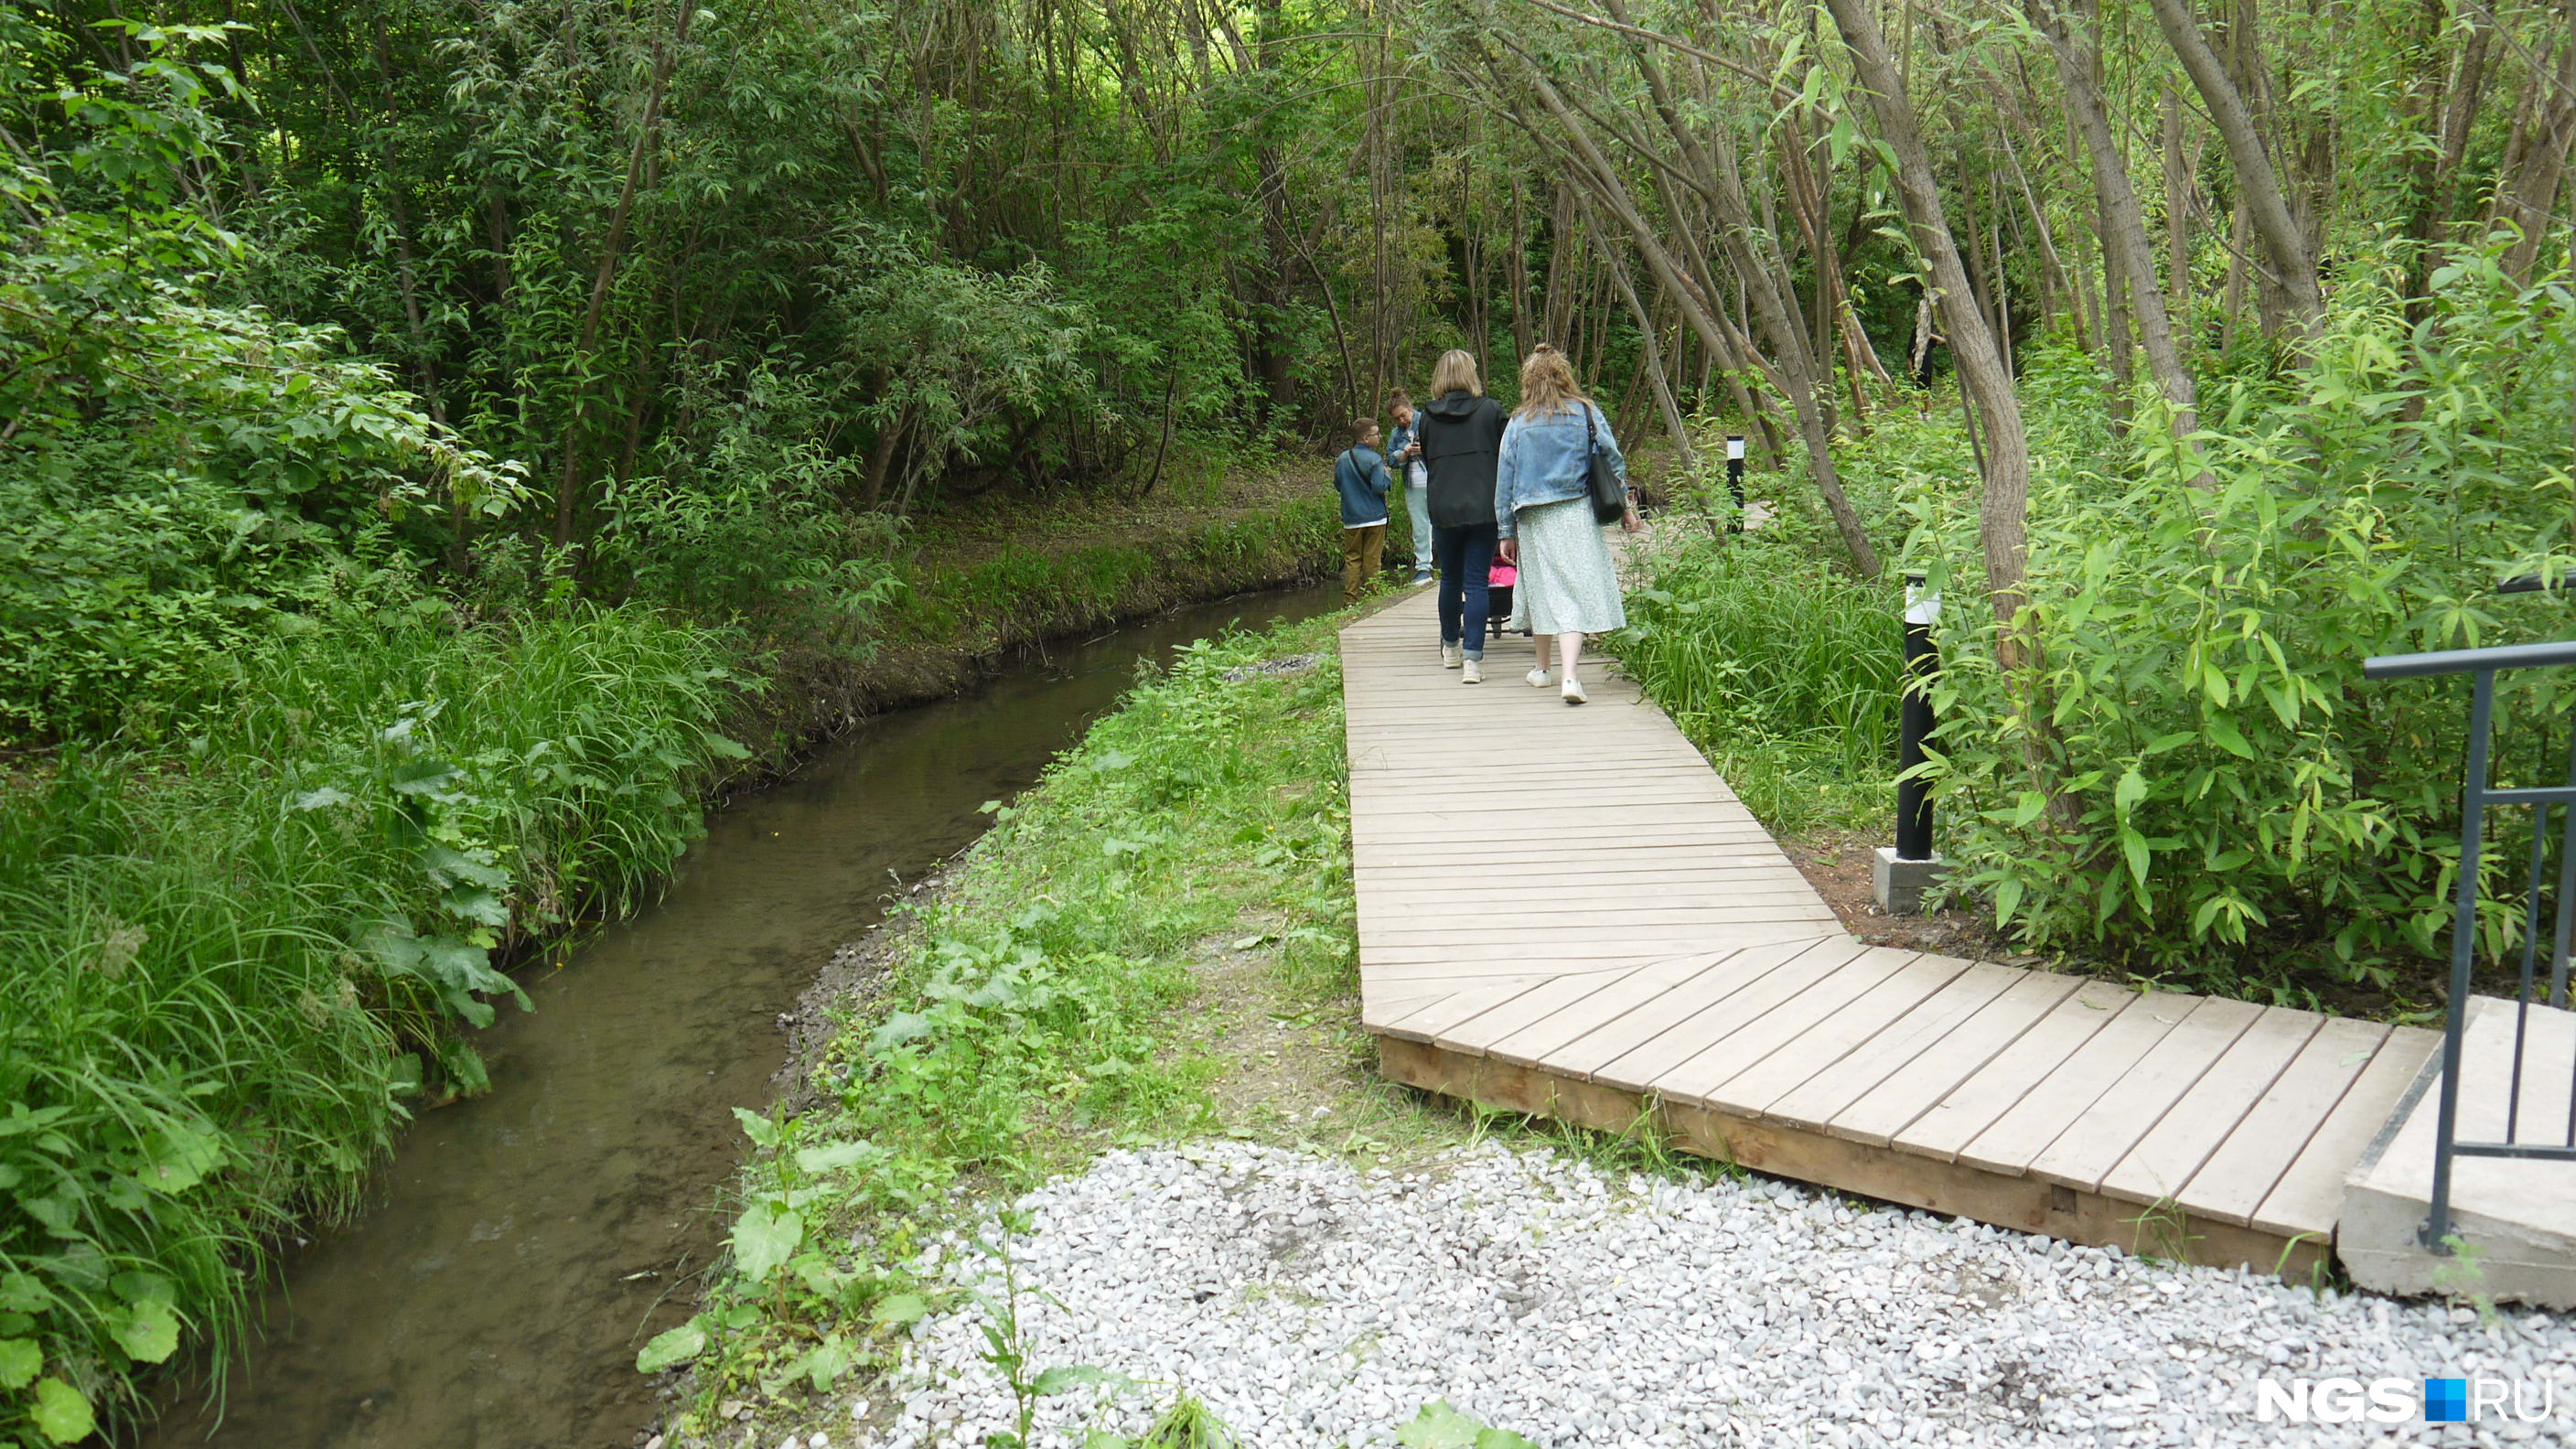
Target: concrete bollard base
x,y
1899,884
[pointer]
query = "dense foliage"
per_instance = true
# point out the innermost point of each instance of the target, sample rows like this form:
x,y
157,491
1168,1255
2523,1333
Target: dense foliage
x,y
417,417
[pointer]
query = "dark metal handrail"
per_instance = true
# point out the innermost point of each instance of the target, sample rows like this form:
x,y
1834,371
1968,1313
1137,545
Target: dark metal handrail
x,y
2476,798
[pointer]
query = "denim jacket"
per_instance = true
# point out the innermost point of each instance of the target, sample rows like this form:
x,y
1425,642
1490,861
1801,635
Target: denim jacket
x,y
1396,442
1543,461
1361,478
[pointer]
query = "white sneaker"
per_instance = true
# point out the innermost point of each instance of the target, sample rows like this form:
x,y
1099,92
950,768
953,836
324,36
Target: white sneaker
x,y
1573,691
1475,672
1451,655
1538,678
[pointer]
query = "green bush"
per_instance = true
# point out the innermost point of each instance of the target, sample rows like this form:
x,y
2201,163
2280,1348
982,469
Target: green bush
x,y
2197,780
228,967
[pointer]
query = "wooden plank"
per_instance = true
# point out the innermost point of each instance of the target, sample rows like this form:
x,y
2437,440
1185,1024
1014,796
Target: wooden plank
x,y
1686,1038
2130,1107
2244,1169
1855,1101
1648,988
2024,1131
2166,1158
2309,1196
1841,1043
1586,1055
1703,1075
1434,1020
1987,1067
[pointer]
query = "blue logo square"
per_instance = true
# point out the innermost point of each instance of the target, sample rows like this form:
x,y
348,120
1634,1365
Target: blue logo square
x,y
2446,1401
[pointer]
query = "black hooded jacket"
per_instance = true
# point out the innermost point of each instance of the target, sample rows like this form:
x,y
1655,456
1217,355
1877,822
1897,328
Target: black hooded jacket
x,y
1462,445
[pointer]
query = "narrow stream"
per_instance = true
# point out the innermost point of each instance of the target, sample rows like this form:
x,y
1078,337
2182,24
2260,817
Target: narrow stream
x,y
522,1245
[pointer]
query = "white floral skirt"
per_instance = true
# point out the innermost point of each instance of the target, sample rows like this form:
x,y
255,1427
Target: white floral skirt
x,y
1568,583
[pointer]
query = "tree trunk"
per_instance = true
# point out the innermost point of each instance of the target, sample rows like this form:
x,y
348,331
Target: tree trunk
x,y
2527,198
2004,500
2285,246
2124,226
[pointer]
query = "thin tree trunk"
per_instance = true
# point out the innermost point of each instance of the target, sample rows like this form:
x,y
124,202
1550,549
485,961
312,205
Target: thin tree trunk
x,y
2004,500
2527,198
2285,245
2124,226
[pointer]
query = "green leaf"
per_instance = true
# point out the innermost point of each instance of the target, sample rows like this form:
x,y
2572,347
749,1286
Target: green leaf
x,y
322,799
2131,789
60,1413
1439,1426
762,1132
150,1332
1059,1380
2028,807
2223,733
20,1359
2134,846
2007,899
900,1308
764,1237
674,1346
23,1293
835,1156
2174,741
178,1157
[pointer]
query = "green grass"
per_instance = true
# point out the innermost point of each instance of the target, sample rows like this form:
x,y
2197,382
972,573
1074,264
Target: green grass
x,y
1029,590
1051,1002
1032,1021
1780,667
229,967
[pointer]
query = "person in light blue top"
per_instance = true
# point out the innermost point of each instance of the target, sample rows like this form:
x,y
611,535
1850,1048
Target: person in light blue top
x,y
1404,452
1568,586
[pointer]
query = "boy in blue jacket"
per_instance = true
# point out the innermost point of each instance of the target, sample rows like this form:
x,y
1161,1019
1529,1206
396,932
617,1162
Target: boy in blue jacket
x,y
1360,476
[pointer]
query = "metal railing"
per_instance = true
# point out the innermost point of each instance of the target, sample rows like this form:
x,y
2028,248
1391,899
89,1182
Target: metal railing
x,y
2477,796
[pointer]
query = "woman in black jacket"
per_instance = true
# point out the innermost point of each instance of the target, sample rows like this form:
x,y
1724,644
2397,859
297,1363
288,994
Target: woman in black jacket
x,y
1461,432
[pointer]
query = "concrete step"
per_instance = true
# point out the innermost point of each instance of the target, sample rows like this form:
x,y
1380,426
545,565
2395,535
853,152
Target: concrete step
x,y
2516,1217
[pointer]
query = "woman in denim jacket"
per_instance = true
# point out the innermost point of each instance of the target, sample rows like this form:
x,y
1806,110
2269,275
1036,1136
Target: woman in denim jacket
x,y
1543,508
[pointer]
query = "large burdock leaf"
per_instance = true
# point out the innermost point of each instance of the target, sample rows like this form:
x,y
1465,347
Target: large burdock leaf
x,y
764,1237
677,1346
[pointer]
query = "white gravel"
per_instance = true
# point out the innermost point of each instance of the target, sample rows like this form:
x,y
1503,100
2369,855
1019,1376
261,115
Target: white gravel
x,y
1312,1305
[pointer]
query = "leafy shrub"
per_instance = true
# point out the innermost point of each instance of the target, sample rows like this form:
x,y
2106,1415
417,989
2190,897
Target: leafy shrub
x,y
755,528
2198,780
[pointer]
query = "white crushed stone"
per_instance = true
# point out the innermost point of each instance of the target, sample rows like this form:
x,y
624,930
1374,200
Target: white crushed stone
x,y
1309,1304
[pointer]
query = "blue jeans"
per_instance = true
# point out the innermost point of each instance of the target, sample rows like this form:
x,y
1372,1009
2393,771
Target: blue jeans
x,y
1417,506
1466,556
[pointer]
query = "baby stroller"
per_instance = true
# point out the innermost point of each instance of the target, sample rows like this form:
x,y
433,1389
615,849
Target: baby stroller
x,y
1498,595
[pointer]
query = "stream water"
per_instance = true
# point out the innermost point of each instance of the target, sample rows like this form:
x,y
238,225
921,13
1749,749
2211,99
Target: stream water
x,y
519,1247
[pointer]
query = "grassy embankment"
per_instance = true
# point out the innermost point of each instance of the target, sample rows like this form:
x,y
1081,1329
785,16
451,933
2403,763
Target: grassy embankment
x,y
1154,943
244,942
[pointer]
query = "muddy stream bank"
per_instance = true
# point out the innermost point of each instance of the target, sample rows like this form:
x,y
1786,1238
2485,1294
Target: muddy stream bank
x,y
518,1247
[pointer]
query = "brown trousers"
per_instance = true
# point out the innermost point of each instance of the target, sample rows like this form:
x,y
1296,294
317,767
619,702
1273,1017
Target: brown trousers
x,y
1363,554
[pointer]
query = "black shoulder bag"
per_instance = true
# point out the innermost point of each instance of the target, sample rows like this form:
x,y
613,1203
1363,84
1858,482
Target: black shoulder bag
x,y
1609,495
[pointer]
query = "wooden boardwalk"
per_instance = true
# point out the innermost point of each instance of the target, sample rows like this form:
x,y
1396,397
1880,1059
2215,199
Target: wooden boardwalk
x,y
1565,911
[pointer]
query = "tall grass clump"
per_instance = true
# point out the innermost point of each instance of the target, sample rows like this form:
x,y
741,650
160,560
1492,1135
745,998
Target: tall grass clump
x,y
1781,667
230,966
